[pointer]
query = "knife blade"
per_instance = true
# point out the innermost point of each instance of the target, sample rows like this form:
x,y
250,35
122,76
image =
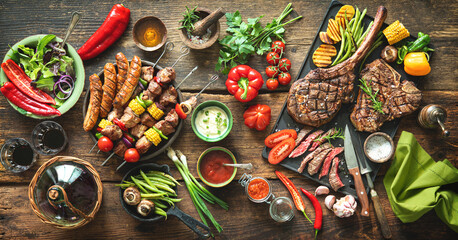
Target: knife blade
x,y
379,212
353,169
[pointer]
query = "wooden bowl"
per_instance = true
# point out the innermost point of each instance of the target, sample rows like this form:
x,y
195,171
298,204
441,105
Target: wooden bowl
x,y
215,29
141,25
387,138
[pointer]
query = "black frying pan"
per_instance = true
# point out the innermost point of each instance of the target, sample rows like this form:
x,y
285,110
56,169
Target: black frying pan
x,y
191,222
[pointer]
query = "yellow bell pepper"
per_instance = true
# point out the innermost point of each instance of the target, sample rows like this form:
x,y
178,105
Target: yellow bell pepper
x,y
416,64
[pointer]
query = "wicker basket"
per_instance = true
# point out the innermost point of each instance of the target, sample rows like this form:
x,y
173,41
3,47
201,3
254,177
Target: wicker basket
x,y
56,194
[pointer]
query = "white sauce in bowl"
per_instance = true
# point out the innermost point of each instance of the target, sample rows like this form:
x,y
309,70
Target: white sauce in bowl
x,y
378,148
211,122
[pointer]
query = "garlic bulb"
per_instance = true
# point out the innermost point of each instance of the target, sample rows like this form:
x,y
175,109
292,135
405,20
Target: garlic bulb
x,y
321,190
345,207
329,201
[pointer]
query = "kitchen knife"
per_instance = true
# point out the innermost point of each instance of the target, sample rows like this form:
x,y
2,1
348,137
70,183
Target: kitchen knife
x,y
379,212
353,169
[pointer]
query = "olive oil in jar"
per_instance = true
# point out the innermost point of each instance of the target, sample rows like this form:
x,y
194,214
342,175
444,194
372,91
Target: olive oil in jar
x,y
150,36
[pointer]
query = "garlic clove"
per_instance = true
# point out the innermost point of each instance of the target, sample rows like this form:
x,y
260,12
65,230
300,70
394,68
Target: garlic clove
x,y
345,206
329,201
321,190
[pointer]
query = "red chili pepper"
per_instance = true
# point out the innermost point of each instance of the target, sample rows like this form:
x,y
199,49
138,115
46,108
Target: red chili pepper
x,y
300,205
112,28
244,83
18,77
120,124
99,129
21,100
180,111
318,211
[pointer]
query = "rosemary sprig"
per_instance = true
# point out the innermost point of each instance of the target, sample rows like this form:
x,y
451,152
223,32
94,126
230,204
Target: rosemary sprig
x,y
189,18
376,104
337,134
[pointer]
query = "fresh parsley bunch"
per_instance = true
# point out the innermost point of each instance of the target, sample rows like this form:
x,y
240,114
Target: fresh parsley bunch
x,y
248,38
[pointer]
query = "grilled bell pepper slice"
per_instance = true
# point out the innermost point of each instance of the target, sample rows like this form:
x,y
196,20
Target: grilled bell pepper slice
x,y
120,124
129,137
140,100
143,82
98,135
244,83
160,133
180,111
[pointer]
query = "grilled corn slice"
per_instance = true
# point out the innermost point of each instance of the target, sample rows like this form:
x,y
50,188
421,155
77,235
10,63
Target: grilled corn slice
x,y
153,136
155,112
395,32
136,107
104,123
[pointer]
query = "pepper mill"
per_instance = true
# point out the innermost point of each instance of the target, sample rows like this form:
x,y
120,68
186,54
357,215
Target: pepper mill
x,y
432,116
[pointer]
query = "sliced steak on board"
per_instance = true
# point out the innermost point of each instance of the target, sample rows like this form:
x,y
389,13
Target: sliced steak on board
x,y
315,99
334,178
398,98
315,164
304,145
327,162
312,155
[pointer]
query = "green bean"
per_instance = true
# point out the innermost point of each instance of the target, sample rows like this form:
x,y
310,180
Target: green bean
x,y
360,40
152,195
356,17
342,46
164,187
161,180
376,44
147,180
124,185
153,189
137,183
159,204
161,212
150,175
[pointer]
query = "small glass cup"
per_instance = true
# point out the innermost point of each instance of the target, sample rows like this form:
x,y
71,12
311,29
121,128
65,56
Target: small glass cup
x,y
39,135
17,162
281,209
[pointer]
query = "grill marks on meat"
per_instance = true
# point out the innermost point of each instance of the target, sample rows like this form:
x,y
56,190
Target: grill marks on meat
x,y
142,145
123,66
109,89
398,98
312,155
317,142
315,164
166,75
334,178
328,160
113,132
304,145
315,99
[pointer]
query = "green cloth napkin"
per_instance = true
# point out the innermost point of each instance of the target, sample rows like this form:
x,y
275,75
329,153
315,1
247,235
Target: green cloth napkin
x,y
413,184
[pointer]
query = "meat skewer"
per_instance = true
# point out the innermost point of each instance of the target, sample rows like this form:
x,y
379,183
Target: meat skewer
x,y
168,46
184,51
189,74
304,145
187,106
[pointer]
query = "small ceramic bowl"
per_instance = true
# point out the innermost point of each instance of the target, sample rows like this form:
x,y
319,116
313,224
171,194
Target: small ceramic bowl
x,y
215,29
79,75
140,27
377,144
199,169
209,104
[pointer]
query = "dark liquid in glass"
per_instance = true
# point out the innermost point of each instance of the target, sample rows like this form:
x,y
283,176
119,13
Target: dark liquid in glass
x,y
53,139
23,155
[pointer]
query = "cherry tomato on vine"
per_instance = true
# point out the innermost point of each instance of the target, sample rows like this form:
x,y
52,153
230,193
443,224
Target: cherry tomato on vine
x,y
284,65
105,144
272,83
272,71
131,155
273,58
278,47
284,78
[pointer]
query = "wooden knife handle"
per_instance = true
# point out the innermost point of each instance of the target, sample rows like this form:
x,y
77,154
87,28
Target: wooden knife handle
x,y
360,191
380,215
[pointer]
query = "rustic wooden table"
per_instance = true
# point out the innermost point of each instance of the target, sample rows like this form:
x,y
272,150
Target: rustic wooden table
x,y
244,220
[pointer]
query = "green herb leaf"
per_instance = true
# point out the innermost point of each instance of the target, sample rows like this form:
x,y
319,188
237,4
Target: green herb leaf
x,y
376,104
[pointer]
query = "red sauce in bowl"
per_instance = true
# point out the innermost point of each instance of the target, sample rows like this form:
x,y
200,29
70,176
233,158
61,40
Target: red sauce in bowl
x,y
258,188
212,169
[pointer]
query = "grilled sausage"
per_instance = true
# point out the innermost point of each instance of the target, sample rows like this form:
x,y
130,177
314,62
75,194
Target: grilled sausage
x,y
109,89
123,67
93,109
129,85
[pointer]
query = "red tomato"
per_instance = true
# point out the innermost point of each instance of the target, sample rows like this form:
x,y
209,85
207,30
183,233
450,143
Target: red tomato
x,y
105,144
278,47
281,151
257,116
284,65
273,58
272,83
131,155
275,138
284,78
272,71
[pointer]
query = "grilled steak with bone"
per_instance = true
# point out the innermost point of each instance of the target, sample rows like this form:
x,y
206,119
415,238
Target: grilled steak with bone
x,y
398,98
315,99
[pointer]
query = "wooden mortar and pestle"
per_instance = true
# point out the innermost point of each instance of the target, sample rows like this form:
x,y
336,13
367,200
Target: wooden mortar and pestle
x,y
208,20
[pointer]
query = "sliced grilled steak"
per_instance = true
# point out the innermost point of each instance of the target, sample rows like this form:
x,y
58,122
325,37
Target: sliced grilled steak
x,y
168,97
328,160
315,99
142,145
334,178
317,142
138,130
398,98
302,133
304,145
172,118
147,119
113,132
312,155
315,164
165,127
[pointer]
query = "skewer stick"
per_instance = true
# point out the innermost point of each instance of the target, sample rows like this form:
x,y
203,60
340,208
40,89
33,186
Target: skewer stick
x,y
93,147
106,160
184,51
189,74
168,46
212,80
121,165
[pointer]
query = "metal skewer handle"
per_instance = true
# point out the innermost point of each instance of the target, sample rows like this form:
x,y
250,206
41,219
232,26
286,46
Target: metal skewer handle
x,y
184,51
189,74
168,46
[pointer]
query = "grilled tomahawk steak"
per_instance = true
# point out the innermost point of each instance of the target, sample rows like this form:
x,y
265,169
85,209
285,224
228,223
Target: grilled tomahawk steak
x,y
398,98
315,99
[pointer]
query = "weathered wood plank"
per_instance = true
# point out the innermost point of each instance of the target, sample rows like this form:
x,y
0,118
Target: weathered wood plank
x,y
18,221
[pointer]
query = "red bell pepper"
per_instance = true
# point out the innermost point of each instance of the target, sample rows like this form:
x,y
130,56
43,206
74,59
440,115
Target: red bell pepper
x,y
112,28
257,116
244,83
21,100
18,77
120,124
180,111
